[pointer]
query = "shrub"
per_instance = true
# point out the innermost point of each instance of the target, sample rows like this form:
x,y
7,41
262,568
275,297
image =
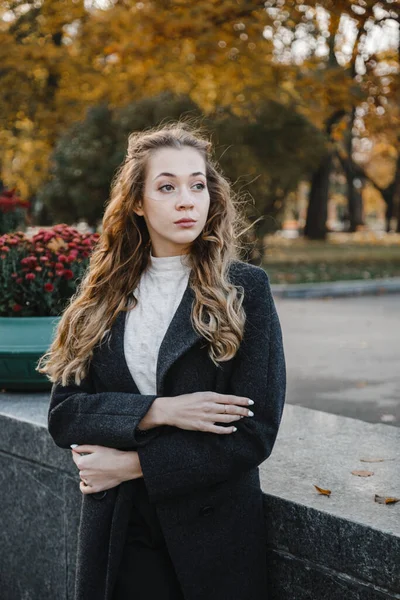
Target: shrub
x,y
12,211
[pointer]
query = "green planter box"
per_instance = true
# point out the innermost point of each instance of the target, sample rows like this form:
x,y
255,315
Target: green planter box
x,y
23,340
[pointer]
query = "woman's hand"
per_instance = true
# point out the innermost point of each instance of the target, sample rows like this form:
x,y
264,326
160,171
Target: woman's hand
x,y
201,410
104,468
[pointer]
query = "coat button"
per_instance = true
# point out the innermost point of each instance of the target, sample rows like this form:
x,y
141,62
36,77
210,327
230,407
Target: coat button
x,y
99,495
205,511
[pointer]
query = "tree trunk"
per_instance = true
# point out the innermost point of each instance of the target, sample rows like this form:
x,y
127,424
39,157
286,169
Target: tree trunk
x,y
317,211
354,197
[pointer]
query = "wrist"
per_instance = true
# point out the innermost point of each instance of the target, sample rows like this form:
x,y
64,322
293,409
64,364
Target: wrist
x,y
161,413
131,467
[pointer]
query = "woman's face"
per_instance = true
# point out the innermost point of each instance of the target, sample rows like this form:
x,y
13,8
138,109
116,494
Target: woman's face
x,y
175,188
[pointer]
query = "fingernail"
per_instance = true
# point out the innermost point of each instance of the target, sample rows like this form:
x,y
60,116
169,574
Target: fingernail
x,y
250,413
235,429
74,445
251,401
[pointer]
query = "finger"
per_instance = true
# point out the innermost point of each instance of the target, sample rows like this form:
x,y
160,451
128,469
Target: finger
x,y
86,489
234,410
225,418
231,399
221,430
85,448
241,400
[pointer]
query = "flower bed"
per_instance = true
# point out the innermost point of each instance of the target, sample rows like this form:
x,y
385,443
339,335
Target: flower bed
x,y
38,275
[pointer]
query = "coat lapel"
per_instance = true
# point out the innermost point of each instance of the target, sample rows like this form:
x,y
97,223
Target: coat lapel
x,y
179,337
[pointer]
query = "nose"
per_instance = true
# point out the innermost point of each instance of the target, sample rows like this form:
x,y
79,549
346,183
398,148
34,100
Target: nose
x,y
185,199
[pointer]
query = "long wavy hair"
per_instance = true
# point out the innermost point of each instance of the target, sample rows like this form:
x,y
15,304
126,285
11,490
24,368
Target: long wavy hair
x,y
122,253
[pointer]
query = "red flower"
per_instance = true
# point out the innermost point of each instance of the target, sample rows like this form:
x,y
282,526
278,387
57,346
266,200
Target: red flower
x,y
68,274
17,307
62,258
19,280
28,260
49,287
30,276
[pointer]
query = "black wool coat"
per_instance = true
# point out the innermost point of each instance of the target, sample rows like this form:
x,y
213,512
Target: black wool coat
x,y
205,486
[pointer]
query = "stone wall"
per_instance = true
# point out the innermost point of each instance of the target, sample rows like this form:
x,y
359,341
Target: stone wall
x,y
341,547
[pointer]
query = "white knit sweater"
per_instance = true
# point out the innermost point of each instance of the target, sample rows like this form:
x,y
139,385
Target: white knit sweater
x,y
159,293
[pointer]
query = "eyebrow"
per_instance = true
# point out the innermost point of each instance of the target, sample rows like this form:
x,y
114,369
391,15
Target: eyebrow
x,y
172,175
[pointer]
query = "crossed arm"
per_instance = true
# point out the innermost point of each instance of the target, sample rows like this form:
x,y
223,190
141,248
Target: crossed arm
x,y
175,461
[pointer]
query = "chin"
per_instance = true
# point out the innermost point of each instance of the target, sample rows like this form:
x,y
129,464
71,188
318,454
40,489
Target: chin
x,y
186,235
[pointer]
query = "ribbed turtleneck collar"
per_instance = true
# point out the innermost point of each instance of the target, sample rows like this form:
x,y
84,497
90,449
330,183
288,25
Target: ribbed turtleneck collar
x,y
161,264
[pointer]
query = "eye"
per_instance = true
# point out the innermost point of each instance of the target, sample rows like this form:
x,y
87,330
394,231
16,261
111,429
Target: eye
x,y
169,185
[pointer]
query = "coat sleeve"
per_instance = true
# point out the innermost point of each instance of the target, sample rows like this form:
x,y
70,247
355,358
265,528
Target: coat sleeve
x,y
79,415
181,461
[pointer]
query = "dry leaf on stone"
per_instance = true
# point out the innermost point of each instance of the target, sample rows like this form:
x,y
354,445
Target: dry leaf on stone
x,y
322,491
362,473
361,384
385,500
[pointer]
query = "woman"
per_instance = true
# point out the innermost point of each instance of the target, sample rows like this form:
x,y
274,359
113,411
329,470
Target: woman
x,y
168,340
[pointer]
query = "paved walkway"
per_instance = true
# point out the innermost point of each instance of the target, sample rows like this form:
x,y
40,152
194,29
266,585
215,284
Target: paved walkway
x,y
337,288
343,355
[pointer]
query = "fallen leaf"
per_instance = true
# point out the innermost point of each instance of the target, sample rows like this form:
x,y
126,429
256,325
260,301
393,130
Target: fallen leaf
x,y
362,473
322,491
385,500
373,459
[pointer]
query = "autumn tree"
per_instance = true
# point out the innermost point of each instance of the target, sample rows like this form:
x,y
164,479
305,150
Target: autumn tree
x,y
60,58
264,163
331,82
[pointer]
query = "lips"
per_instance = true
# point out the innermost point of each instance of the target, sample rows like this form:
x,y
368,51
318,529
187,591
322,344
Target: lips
x,y
186,221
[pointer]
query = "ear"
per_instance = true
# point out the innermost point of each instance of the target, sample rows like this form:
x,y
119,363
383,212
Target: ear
x,y
138,209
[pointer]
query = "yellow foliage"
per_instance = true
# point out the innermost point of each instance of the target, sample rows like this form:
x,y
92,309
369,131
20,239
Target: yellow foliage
x,y
58,58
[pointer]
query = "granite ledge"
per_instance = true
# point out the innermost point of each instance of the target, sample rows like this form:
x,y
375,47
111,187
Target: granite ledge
x,y
312,447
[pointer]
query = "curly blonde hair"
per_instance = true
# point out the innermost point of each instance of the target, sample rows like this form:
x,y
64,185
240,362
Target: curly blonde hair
x,y
122,253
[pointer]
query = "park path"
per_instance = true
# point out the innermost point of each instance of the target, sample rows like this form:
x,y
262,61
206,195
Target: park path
x,y
343,355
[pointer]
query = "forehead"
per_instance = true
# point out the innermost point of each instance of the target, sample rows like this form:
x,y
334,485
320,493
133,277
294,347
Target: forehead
x,y
179,162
